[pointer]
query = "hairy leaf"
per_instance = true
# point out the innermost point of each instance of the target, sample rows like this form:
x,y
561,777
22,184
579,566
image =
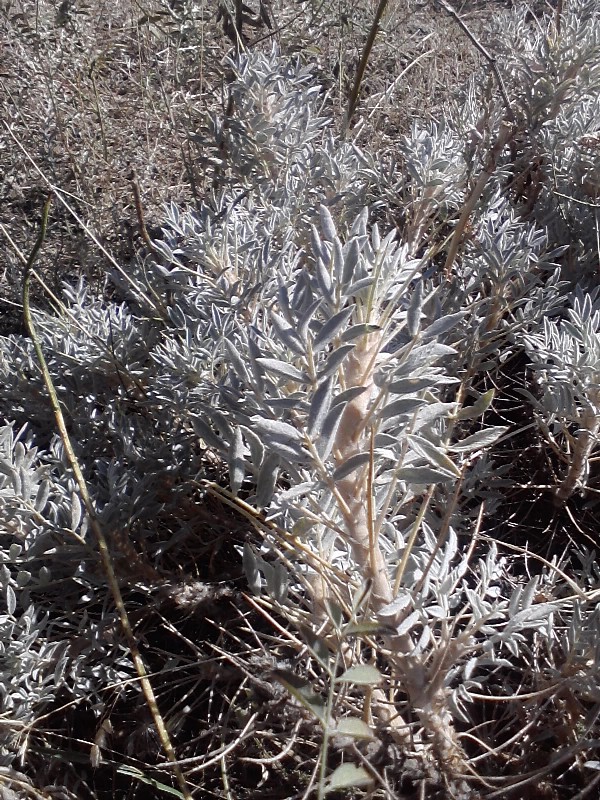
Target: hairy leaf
x,y
361,674
348,776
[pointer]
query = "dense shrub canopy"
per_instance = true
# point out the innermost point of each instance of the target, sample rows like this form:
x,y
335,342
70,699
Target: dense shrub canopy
x,y
339,424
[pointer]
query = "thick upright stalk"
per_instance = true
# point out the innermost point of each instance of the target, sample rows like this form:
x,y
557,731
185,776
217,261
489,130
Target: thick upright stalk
x,y
352,439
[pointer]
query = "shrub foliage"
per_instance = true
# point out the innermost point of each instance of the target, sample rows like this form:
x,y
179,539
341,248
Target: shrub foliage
x,y
340,426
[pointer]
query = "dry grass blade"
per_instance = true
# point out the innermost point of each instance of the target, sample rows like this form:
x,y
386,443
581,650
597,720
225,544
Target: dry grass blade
x,y
103,549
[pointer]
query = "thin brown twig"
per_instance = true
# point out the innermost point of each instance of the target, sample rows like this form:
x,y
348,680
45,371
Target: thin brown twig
x,y
360,72
139,211
485,53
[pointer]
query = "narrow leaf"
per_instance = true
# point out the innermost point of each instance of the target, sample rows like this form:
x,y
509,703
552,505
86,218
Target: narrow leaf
x,y
337,261
357,331
367,629
431,412
236,462
277,582
303,692
404,405
360,288
480,439
257,451
42,496
329,430
276,429
331,328
442,325
350,261
531,616
205,432
317,245
238,365
324,280
433,454
75,512
327,224
11,599
528,591
425,354
293,402
335,360
254,353
283,370
413,314
478,408
348,395
267,479
423,475
351,465
413,384
133,772
359,226
408,624
251,571
306,318
287,335
319,408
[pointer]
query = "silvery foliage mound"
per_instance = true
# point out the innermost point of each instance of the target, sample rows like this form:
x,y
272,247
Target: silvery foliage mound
x,y
341,378
552,75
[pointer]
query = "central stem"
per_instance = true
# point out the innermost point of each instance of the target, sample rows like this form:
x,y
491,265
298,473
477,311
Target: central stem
x,y
351,440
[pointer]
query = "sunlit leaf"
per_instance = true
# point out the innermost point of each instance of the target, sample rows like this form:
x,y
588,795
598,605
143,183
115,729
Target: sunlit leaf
x,y
251,571
361,674
478,440
413,314
433,454
133,772
319,408
353,726
348,776
479,407
236,462
327,224
11,599
366,629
